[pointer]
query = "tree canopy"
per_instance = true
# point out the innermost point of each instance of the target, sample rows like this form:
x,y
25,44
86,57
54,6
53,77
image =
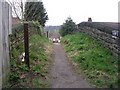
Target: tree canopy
x,y
68,27
35,11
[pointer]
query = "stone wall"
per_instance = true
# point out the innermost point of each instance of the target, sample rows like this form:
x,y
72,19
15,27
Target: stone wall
x,y
107,39
5,30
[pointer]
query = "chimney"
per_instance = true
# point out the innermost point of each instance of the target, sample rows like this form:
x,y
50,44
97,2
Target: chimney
x,y
89,19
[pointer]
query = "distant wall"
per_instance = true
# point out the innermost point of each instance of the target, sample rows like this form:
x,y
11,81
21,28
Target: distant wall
x,y
107,39
5,30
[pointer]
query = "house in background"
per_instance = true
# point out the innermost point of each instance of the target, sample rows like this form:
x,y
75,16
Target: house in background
x,y
15,21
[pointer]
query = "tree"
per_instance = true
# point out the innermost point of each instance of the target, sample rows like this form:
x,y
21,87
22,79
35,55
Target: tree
x,y
35,11
68,27
17,8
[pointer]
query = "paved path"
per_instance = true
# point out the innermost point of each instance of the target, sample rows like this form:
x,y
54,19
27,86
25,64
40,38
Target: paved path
x,y
63,76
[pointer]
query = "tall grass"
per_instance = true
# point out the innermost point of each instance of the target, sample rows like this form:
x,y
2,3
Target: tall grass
x,y
97,62
20,76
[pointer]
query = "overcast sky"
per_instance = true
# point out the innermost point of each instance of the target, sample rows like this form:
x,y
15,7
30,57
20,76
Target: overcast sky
x,y
80,10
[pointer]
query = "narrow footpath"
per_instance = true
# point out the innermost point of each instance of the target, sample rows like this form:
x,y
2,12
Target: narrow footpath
x,y
63,76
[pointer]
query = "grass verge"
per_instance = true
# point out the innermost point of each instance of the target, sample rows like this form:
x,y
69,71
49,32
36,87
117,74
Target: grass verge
x,y
37,77
88,55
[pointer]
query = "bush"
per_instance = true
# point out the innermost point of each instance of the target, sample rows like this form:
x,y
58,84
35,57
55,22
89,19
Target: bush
x,y
19,28
68,27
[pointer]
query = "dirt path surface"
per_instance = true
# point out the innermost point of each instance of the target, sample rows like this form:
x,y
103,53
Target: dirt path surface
x,y
63,76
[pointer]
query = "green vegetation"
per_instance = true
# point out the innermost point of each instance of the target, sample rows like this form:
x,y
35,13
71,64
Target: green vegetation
x,y
19,28
39,50
37,76
98,63
69,27
35,11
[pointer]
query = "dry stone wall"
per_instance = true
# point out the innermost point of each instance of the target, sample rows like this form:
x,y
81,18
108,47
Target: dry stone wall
x,y
106,39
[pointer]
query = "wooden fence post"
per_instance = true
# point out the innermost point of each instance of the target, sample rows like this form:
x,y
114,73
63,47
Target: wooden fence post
x,y
26,44
47,34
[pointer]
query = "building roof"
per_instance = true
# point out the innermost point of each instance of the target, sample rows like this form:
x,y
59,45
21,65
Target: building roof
x,y
15,21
